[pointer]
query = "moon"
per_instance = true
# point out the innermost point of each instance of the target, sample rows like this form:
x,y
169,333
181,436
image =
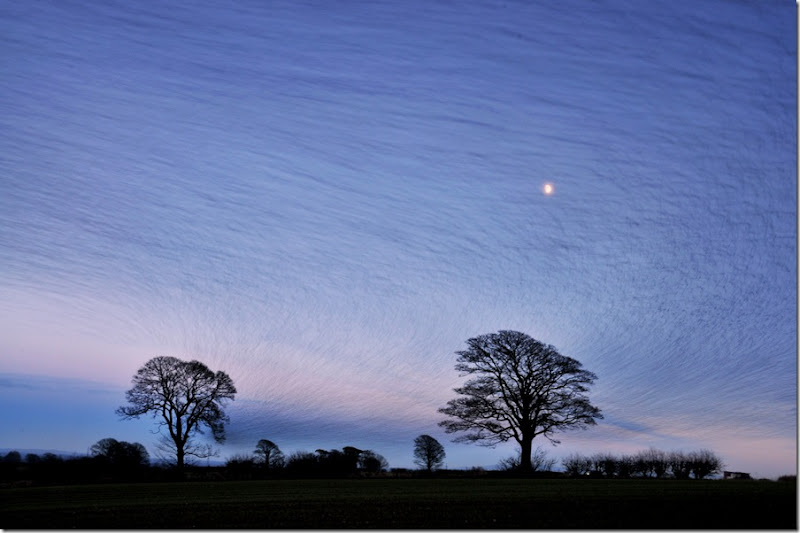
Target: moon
x,y
548,188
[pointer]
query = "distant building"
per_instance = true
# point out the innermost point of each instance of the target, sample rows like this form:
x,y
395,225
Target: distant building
x,y
735,475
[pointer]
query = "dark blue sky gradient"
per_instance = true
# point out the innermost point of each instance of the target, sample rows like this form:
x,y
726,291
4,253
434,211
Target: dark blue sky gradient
x,y
326,199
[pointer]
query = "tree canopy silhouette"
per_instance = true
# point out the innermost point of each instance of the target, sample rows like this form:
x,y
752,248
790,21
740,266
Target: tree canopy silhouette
x,y
121,454
371,462
184,396
521,388
270,456
428,453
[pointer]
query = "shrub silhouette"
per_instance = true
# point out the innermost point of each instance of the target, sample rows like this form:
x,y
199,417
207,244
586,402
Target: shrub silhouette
x,y
649,463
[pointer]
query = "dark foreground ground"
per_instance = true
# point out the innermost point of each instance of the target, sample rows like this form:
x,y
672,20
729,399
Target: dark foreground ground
x,y
406,503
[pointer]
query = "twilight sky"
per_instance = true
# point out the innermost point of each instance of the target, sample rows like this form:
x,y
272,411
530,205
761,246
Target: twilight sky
x,y
326,199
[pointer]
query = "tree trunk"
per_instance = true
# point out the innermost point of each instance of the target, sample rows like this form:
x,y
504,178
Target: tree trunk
x,y
180,442
525,454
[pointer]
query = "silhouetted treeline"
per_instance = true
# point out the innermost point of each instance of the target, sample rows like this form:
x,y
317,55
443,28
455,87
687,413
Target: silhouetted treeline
x,y
110,460
50,469
347,462
650,463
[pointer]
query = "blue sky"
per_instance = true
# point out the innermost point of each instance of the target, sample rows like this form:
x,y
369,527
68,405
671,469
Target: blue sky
x,y
326,199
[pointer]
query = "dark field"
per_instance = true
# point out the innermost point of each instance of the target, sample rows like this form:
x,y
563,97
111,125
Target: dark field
x,y
407,503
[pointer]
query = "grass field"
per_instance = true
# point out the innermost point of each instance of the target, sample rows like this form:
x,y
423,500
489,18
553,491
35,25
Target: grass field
x,y
406,503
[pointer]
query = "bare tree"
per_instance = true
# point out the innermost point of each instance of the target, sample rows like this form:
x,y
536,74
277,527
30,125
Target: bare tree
x,y
576,464
604,464
652,462
428,453
521,389
184,396
704,463
679,465
627,466
269,454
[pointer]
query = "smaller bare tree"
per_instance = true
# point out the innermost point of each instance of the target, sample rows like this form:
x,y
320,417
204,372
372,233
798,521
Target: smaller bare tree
x,y
270,456
428,453
679,465
626,466
704,463
653,462
576,464
605,464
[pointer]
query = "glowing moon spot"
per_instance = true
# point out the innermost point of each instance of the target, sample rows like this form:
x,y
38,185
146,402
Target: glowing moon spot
x,y
548,188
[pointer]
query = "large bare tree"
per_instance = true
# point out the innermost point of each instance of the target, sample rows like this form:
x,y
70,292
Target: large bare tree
x,y
520,388
184,396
